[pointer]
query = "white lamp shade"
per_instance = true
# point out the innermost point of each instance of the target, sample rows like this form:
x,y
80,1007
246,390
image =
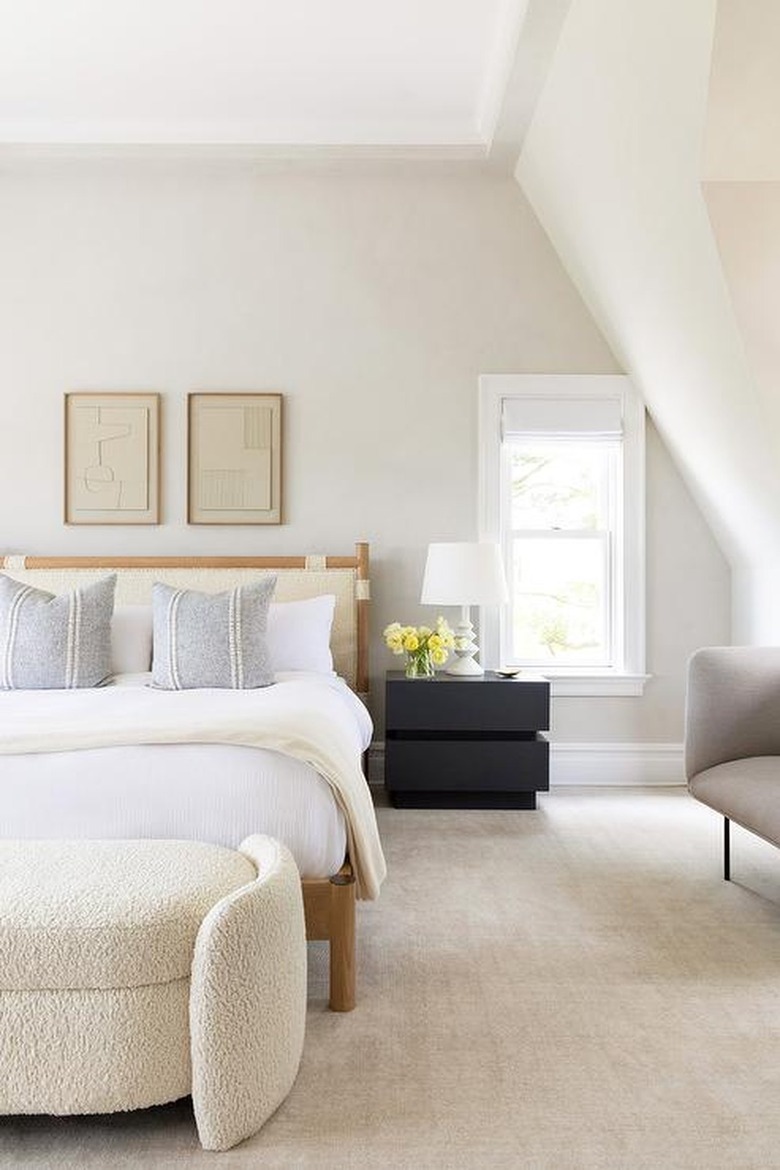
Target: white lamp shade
x,y
459,573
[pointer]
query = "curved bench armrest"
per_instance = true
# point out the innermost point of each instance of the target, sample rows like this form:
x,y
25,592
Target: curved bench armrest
x,y
248,999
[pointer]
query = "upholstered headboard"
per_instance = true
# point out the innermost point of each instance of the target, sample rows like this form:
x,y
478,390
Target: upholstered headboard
x,y
297,577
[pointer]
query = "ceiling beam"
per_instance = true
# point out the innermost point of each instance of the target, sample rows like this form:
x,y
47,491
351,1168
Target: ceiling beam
x,y
527,74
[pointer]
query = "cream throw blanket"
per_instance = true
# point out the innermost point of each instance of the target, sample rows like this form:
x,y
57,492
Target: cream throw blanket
x,y
310,717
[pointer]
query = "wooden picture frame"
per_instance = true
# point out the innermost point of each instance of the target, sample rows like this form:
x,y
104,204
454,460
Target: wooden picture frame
x,y
112,458
234,458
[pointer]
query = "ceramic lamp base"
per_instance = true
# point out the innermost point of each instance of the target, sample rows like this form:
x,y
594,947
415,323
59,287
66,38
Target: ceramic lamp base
x,y
466,648
464,667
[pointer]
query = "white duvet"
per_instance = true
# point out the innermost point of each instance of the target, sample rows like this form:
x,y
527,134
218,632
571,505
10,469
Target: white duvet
x,y
313,718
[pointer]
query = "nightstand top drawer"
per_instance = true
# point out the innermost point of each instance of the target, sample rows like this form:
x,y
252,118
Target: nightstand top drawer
x,y
480,704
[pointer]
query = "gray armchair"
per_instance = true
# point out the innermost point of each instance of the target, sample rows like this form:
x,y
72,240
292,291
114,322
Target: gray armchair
x,y
732,738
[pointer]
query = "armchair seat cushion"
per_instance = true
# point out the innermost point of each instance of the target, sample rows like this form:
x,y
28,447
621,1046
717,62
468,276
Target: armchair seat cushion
x,y
746,791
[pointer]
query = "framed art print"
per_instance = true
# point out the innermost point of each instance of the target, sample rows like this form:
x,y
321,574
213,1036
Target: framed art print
x,y
112,458
234,459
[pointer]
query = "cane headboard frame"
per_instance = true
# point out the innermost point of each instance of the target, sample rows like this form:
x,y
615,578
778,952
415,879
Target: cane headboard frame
x,y
298,577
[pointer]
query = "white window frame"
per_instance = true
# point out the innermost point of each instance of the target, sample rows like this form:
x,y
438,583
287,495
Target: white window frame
x,y
626,677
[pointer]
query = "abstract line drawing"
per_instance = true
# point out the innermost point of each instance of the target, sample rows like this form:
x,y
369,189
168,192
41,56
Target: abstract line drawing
x,y
111,458
235,458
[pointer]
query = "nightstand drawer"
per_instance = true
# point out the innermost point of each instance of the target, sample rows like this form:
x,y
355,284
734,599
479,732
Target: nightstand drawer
x,y
466,765
468,705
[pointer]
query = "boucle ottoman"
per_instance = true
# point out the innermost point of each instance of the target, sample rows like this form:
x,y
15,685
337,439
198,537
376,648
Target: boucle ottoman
x,y
135,972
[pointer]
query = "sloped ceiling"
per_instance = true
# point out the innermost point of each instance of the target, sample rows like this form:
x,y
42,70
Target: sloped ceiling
x,y
612,164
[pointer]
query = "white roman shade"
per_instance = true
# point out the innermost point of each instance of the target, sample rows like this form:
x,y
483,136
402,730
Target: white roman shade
x,y
592,417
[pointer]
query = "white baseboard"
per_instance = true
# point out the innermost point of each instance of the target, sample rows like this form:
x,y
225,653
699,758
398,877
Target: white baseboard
x,y
616,763
597,764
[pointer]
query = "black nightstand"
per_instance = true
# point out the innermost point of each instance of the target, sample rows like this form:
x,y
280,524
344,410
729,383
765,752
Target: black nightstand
x,y
466,742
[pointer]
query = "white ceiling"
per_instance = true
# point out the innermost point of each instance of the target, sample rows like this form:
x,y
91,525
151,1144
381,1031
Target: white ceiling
x,y
355,73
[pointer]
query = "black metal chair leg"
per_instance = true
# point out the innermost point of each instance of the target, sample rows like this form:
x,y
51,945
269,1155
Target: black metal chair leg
x,y
726,849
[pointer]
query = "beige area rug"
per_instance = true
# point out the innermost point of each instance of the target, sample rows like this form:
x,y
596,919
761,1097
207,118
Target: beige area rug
x,y
565,989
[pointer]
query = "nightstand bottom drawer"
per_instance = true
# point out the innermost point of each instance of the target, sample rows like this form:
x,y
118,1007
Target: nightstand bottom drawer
x,y
466,765
414,798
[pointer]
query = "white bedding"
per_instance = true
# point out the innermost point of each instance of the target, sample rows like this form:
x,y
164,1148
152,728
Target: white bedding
x,y
202,792
126,760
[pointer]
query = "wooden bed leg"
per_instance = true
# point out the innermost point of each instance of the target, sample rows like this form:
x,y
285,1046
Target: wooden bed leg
x,y
342,942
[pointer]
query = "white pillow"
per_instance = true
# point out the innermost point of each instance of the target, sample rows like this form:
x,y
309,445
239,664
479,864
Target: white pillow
x,y
131,639
298,634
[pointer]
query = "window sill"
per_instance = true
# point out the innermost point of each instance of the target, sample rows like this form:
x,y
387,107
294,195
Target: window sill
x,y
567,685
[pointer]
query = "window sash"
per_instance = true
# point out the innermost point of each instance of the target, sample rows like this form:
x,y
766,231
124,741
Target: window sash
x,y
611,655
603,655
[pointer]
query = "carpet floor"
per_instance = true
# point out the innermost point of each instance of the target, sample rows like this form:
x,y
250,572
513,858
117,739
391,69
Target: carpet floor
x,y
568,989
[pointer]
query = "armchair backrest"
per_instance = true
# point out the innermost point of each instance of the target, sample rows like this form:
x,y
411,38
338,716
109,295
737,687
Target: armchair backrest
x,y
732,705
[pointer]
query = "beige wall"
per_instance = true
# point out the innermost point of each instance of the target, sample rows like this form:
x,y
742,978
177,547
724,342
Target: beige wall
x,y
745,217
742,139
372,299
741,169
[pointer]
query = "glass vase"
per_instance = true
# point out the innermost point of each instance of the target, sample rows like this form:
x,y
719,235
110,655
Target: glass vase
x,y
419,664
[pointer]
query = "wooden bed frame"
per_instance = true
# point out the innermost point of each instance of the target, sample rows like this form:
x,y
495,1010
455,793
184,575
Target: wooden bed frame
x,y
329,903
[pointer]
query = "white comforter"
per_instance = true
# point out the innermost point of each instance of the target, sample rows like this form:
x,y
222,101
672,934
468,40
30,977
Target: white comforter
x,y
314,718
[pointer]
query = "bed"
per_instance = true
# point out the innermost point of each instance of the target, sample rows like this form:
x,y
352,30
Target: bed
x,y
124,760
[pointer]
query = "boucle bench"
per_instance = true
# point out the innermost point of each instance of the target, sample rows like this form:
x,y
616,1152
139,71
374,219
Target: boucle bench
x,y
133,973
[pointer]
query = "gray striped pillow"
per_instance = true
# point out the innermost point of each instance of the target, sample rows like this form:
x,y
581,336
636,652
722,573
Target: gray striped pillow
x,y
211,639
51,642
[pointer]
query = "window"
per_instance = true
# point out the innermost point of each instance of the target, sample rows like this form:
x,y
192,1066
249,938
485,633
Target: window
x,y
562,472
560,551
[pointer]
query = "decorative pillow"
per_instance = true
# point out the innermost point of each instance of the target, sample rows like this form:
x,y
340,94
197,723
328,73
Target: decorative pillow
x,y
299,634
51,642
131,639
211,639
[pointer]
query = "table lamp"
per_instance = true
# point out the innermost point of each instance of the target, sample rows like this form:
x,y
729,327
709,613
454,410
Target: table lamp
x,y
464,574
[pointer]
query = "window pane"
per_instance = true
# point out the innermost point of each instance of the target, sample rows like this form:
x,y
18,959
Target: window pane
x,y
560,485
559,601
